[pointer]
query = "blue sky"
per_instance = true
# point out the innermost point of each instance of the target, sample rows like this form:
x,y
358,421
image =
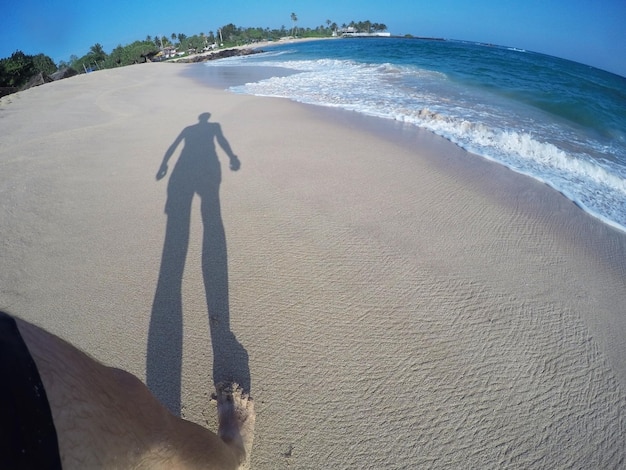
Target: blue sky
x,y
588,31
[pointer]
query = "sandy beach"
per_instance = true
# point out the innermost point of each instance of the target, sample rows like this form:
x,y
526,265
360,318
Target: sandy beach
x,y
391,301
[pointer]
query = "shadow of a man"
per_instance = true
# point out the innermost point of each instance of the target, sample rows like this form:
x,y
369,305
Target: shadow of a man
x,y
197,171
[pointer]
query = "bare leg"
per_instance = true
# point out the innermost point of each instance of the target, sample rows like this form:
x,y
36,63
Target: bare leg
x,y
236,417
107,418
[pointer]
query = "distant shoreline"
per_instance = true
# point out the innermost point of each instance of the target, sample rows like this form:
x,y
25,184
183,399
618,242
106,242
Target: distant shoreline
x,y
255,45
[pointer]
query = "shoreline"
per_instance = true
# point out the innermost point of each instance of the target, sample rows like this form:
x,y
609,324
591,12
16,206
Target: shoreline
x,y
256,45
600,243
220,78
223,77
383,283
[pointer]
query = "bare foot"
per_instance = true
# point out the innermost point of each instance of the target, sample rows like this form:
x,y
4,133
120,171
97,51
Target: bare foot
x,y
235,414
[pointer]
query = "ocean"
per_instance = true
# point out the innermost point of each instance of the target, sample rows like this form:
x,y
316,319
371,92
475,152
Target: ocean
x,y
560,122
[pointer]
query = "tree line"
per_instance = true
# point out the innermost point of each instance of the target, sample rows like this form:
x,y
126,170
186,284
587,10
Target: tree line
x,y
19,68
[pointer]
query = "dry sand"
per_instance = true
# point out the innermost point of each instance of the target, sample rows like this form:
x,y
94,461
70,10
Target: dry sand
x,y
402,303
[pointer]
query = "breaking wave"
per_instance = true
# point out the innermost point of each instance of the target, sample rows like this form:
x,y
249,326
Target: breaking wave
x,y
510,132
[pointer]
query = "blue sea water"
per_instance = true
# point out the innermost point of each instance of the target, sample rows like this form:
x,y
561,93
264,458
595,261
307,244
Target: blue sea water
x,y
558,121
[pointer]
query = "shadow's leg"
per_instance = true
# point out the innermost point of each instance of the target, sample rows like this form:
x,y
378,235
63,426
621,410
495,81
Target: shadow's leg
x,y
165,337
230,359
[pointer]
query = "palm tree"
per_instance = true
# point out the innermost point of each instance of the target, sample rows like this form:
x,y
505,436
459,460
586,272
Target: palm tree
x,y
96,48
97,52
294,20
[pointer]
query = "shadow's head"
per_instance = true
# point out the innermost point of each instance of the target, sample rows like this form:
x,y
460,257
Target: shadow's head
x,y
204,117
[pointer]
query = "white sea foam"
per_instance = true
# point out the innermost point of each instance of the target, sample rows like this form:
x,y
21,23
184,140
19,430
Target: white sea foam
x,y
518,138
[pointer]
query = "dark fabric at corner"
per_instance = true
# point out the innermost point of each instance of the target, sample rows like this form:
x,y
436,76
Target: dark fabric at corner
x,y
28,439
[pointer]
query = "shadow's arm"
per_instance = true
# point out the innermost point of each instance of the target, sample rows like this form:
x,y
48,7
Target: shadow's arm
x,y
235,164
170,151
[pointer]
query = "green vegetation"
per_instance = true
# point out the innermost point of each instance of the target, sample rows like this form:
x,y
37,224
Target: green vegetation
x,y
15,71
97,59
366,26
134,53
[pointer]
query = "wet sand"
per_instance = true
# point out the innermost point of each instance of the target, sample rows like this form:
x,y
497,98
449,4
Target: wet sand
x,y
392,301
